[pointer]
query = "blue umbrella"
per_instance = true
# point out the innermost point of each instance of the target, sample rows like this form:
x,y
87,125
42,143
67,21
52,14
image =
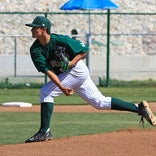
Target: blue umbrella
x,y
93,5
89,5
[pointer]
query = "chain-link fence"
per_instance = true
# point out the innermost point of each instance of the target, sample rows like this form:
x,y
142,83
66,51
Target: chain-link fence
x,y
132,43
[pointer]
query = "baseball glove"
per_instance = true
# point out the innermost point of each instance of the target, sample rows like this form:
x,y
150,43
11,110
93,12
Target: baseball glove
x,y
62,57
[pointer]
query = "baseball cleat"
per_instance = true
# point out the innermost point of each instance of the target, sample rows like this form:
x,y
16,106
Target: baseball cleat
x,y
40,136
145,112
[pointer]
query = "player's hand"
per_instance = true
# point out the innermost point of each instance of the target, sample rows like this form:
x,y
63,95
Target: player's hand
x,y
68,91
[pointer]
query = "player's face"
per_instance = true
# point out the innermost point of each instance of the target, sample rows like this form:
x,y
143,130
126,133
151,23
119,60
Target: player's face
x,y
36,32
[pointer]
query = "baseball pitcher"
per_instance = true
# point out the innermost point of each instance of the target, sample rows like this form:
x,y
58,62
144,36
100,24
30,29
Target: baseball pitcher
x,y
61,59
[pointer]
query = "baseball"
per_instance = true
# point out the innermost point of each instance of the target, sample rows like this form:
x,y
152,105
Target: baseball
x,y
71,92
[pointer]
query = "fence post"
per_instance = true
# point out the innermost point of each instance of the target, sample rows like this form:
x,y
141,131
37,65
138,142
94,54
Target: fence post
x,y
15,56
108,46
88,62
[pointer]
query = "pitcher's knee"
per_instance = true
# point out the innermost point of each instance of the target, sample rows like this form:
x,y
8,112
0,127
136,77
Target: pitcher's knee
x,y
105,103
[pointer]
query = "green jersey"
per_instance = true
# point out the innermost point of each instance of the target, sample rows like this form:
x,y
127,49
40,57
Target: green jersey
x,y
43,57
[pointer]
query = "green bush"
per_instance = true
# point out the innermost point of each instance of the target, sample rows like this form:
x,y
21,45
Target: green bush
x,y
122,83
20,85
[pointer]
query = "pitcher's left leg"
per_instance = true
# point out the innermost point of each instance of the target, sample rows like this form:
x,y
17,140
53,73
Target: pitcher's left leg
x,y
90,93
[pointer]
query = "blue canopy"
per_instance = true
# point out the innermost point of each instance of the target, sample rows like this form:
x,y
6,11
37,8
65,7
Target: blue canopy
x,y
89,5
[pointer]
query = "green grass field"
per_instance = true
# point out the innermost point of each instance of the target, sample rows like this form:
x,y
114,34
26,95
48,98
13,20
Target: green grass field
x,y
17,127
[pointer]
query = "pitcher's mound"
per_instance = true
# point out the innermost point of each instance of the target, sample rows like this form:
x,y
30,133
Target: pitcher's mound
x,y
122,143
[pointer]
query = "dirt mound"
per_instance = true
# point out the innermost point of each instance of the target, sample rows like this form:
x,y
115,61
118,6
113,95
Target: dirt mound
x,y
121,143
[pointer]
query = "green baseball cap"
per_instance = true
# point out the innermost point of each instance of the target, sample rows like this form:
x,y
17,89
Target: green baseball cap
x,y
40,21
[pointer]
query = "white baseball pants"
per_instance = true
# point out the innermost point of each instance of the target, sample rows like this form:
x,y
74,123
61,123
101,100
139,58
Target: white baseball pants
x,y
79,79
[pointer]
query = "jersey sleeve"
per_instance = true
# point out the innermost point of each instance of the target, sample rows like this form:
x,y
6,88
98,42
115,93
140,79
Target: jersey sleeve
x,y
76,46
39,60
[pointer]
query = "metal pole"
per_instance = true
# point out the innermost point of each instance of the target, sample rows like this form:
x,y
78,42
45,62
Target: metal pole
x,y
15,56
108,47
88,58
